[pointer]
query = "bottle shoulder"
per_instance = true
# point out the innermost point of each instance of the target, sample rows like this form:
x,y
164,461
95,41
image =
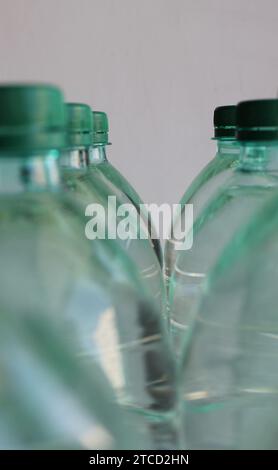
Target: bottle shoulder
x,y
206,176
229,209
119,181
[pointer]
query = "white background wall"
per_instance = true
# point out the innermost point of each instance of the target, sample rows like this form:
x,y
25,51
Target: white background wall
x,y
158,67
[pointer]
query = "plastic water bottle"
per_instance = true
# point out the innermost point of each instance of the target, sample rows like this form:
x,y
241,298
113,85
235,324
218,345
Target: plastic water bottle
x,y
230,378
92,187
49,398
99,157
253,179
208,182
141,250
118,323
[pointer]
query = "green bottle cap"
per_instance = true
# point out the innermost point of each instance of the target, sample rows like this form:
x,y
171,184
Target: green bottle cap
x,y
224,121
101,128
257,120
79,124
32,117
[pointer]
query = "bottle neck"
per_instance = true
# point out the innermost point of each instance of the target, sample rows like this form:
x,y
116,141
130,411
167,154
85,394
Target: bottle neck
x,y
226,147
75,159
259,156
97,154
36,172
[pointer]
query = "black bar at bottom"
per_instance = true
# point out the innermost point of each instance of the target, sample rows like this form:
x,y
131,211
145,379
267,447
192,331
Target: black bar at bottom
x,y
127,459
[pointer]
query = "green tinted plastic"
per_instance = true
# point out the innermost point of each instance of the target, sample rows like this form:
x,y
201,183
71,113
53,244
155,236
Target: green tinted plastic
x,y
224,120
79,124
101,128
257,120
31,117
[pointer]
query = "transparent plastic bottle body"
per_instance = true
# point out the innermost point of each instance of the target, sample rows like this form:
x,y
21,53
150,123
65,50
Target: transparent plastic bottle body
x,y
47,399
230,364
201,190
251,183
93,187
92,288
101,163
